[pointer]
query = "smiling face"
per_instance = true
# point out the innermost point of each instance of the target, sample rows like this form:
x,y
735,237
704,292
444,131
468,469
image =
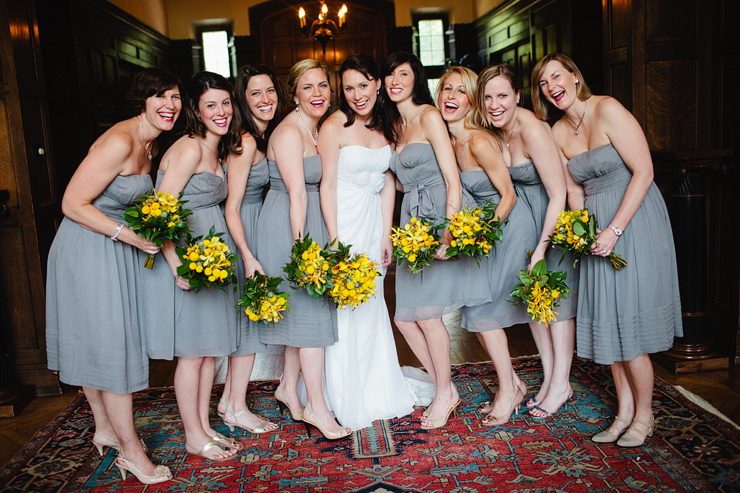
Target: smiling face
x,y
162,111
360,92
500,101
400,83
262,98
453,99
313,93
215,110
558,85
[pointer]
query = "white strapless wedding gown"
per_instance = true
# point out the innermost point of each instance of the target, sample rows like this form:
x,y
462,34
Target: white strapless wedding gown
x,y
363,380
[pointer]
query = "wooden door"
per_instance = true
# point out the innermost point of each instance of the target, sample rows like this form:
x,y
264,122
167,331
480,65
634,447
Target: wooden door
x,y
25,172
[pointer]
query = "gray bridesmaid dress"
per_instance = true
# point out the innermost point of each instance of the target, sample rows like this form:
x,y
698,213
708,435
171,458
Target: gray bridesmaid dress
x,y
507,258
637,310
445,284
93,336
531,191
187,324
259,177
311,322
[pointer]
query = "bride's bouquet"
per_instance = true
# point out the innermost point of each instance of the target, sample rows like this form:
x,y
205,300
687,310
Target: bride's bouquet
x,y
415,242
353,277
158,216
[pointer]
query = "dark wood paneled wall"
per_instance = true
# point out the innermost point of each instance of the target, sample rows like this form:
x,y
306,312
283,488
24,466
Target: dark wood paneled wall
x,y
522,32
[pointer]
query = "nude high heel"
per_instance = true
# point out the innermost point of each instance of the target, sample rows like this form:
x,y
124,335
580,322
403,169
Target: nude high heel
x,y
629,440
161,473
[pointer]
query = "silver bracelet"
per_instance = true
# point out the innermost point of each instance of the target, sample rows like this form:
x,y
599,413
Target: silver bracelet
x,y
118,231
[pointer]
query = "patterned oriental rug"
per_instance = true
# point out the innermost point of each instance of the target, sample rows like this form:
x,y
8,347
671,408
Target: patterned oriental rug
x,y
692,449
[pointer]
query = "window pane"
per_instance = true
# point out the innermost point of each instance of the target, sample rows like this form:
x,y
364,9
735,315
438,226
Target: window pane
x,y
432,83
431,42
216,52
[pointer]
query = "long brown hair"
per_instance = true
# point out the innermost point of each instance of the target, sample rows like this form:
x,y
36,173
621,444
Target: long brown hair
x,y
541,104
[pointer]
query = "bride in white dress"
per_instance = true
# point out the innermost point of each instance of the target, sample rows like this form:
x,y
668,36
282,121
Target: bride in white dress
x,y
363,379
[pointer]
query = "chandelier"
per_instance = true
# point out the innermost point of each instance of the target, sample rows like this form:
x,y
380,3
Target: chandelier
x,y
323,29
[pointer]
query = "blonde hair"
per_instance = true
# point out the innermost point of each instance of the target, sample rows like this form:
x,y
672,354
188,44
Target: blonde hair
x,y
470,83
298,70
541,104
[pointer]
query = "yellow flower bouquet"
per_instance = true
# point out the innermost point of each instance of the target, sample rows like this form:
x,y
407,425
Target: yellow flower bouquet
x,y
474,230
309,267
416,242
541,290
353,278
575,232
157,217
208,262
261,300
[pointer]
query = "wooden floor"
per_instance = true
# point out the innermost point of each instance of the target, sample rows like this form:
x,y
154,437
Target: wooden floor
x,y
720,388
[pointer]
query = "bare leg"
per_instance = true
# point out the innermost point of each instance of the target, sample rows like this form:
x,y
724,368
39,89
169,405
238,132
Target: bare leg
x,y
103,426
207,373
438,344
237,412
187,391
226,394
120,411
291,370
639,374
497,346
312,365
562,336
417,341
542,338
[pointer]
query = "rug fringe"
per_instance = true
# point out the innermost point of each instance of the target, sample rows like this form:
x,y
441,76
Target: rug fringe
x,y
702,403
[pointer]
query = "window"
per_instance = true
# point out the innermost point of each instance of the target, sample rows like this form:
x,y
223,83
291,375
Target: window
x,y
431,42
216,52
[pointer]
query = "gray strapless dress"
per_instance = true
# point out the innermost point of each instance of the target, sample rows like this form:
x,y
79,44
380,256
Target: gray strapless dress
x,y
623,314
531,191
445,284
93,336
187,324
504,263
259,177
311,322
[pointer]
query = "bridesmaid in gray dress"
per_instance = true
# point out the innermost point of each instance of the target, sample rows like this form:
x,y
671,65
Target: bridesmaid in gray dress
x,y
622,315
292,210
205,323
484,175
260,101
93,335
425,166
539,180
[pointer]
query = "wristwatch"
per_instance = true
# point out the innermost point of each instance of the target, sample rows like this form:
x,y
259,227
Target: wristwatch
x,y
616,230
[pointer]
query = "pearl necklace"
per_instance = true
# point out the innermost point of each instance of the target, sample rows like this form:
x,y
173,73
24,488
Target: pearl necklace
x,y
316,130
575,127
148,146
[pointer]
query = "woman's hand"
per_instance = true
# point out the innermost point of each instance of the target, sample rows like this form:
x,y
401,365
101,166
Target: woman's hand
x,y
183,284
441,253
386,252
604,243
537,255
143,244
251,264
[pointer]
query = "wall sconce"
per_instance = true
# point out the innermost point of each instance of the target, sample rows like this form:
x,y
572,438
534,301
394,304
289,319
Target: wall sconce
x,y
323,29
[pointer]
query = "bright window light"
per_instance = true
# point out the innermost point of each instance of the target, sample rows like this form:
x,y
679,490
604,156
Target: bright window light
x,y
432,83
216,52
431,42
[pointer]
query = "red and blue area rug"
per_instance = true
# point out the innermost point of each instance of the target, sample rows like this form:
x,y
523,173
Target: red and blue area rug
x,y
692,450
